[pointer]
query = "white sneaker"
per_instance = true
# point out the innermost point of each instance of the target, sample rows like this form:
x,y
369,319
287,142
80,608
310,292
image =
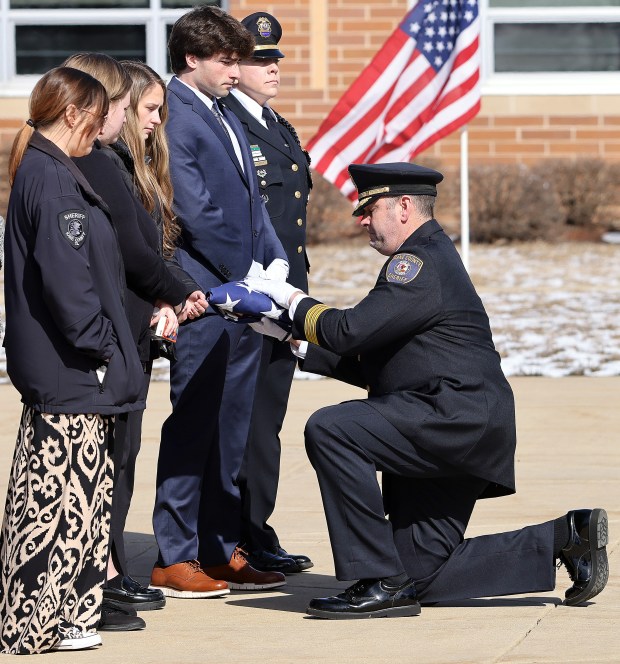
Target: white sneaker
x,y
75,638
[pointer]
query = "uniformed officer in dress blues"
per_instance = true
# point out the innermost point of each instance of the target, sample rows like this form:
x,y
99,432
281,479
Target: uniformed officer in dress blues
x,y
438,422
284,179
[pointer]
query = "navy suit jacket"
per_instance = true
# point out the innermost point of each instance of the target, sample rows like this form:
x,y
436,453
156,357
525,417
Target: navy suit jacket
x,y
223,219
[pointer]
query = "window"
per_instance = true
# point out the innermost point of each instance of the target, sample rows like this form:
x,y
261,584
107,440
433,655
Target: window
x,y
41,47
551,46
40,34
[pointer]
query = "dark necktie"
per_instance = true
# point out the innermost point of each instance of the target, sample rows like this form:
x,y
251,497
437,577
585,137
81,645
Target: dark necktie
x,y
269,119
215,109
274,125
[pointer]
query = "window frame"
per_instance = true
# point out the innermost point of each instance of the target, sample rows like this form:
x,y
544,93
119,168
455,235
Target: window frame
x,y
154,18
543,83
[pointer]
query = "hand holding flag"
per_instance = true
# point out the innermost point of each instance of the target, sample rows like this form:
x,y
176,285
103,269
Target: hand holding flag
x,y
279,291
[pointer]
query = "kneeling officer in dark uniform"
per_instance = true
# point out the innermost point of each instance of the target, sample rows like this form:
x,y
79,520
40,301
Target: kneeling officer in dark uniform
x,y
439,422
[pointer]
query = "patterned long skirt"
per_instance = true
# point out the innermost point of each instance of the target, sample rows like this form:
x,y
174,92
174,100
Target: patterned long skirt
x,y
54,538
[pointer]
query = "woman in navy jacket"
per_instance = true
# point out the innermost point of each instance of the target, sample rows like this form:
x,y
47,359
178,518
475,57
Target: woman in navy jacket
x,y
71,355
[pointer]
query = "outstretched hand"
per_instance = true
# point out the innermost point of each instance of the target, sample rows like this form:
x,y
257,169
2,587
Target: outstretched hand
x,y
195,305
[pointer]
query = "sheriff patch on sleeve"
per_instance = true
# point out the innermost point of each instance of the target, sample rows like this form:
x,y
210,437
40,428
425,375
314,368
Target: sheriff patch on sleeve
x,y
403,268
73,225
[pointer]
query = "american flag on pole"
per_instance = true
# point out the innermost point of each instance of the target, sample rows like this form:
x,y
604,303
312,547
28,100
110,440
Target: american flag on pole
x,y
422,85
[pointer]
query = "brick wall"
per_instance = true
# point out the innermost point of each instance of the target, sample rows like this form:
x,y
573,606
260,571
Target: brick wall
x,y
338,37
529,138
8,129
328,42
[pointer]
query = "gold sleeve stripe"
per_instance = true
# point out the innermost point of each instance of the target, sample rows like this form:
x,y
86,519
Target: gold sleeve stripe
x,y
312,317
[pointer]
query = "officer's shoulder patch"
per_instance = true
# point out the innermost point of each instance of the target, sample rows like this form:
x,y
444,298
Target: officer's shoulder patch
x,y
403,268
73,225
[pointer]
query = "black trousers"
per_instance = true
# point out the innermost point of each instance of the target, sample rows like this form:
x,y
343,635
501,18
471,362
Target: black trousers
x,y
128,439
260,471
429,504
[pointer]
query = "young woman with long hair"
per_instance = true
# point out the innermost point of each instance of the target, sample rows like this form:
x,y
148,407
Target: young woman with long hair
x,y
71,355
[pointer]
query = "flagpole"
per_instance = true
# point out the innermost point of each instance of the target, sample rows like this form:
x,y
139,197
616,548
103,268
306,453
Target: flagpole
x,y
464,198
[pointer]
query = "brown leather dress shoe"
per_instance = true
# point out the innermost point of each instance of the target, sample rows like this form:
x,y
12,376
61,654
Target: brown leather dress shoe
x,y
186,579
240,575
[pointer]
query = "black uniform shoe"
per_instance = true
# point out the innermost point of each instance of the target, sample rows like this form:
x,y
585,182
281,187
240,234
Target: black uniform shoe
x,y
114,619
585,555
123,592
264,561
368,598
303,562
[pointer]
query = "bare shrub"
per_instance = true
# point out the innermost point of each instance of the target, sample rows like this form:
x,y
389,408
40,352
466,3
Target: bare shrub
x,y
329,213
448,206
553,200
584,186
509,202
608,216
614,182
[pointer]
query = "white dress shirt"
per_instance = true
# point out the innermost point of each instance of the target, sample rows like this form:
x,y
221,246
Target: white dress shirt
x,y
252,107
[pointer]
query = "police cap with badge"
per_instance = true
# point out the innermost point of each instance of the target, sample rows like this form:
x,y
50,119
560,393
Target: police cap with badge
x,y
267,32
374,181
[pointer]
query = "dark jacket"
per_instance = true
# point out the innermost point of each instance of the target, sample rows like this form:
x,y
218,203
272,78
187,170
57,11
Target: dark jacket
x,y
148,278
284,181
63,292
120,154
420,342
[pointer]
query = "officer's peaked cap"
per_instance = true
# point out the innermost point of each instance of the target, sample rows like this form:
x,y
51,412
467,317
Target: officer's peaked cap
x,y
267,32
377,180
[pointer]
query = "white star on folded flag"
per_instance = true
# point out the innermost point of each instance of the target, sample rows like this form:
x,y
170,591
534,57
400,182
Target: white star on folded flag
x,y
273,312
229,305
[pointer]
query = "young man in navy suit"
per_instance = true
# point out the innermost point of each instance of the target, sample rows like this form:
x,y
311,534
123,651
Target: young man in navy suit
x,y
226,236
284,180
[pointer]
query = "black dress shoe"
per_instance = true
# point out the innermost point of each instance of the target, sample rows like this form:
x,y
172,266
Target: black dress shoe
x,y
585,555
123,592
114,619
368,598
303,562
264,561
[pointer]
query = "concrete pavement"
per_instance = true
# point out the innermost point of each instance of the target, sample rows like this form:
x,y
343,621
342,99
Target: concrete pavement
x,y
568,456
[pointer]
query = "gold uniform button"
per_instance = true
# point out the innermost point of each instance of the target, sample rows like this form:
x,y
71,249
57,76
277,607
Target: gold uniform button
x,y
298,194
299,250
295,167
263,183
300,222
